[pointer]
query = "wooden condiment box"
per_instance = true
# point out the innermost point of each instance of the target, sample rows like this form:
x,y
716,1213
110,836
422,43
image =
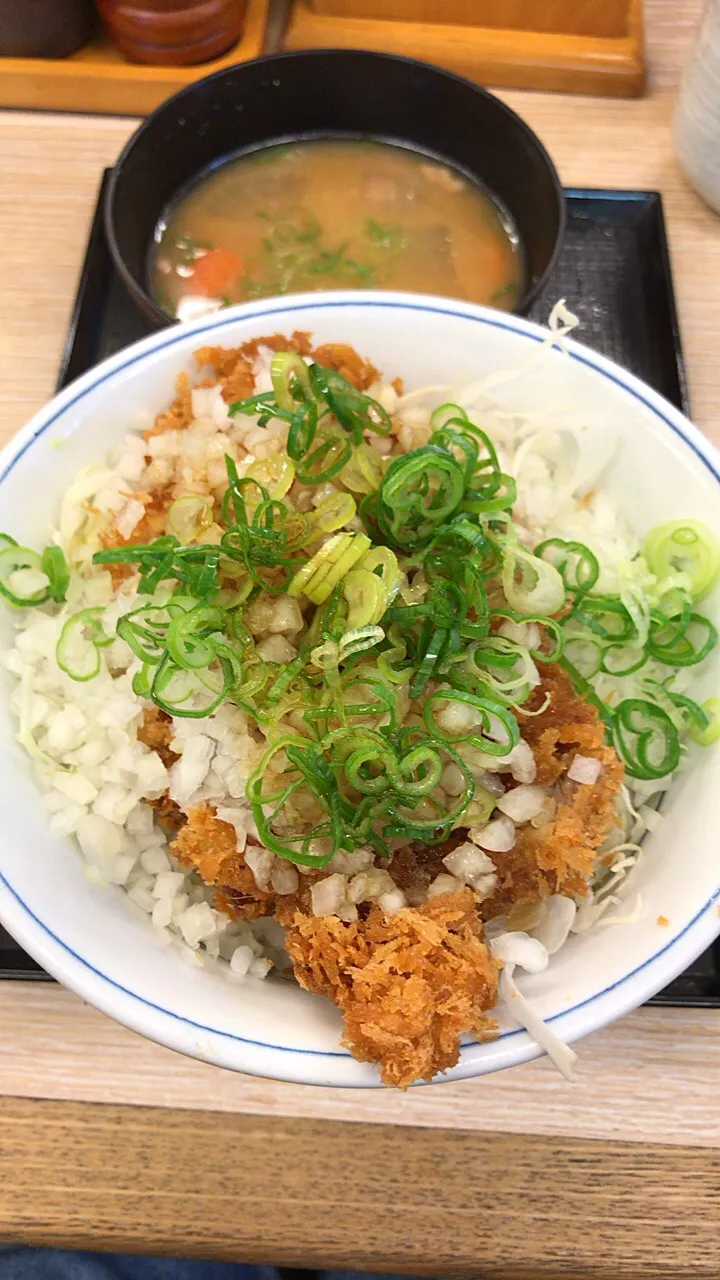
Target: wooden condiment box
x,y
571,46
98,78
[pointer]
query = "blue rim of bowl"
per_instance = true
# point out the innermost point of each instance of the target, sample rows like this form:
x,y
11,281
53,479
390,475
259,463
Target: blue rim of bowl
x,y
515,324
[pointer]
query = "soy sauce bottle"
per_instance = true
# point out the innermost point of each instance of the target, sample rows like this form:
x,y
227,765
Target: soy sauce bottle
x,y
173,33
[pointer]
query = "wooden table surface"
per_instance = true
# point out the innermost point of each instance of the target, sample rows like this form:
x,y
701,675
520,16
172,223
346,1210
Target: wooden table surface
x,y
109,1141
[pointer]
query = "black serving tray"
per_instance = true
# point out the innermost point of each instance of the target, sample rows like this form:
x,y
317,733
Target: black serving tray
x,y
613,271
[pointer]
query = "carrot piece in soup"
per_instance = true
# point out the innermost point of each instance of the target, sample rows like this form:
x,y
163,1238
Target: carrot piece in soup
x,y
215,272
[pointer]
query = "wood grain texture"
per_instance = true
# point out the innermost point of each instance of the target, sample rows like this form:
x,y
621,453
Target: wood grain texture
x,y
606,142
575,17
300,1192
651,1078
565,61
51,169
99,78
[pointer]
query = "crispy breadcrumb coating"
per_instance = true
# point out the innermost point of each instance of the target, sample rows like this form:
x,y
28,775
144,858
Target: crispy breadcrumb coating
x,y
149,527
179,414
233,367
410,984
567,724
346,361
209,846
156,731
558,857
407,985
414,867
168,813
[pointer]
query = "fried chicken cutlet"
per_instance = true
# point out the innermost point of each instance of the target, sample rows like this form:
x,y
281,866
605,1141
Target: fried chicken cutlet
x,y
210,846
407,985
410,984
558,857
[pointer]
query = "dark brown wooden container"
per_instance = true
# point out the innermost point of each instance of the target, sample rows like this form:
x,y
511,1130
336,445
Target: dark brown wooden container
x,y
44,28
173,33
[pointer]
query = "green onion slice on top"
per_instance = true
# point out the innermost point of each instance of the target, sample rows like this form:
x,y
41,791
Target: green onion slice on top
x,y
531,585
81,639
23,579
684,547
706,734
577,564
645,739
416,616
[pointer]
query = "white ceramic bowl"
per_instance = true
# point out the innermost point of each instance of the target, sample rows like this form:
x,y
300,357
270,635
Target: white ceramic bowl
x,y
97,943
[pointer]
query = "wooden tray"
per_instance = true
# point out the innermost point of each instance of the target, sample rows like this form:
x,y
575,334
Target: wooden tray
x,y
574,17
582,58
98,78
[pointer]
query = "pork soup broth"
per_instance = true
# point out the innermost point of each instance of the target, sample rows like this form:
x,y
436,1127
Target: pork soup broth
x,y
330,215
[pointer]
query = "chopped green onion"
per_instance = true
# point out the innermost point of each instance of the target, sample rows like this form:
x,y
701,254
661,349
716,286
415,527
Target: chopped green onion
x,y
683,711
180,692
396,653
366,596
273,476
418,492
329,565
645,739
55,567
365,470
23,580
290,379
354,411
78,649
459,444
358,640
586,691
607,617
271,789
303,430
576,563
445,413
332,514
189,516
190,636
551,631
331,453
686,648
684,547
531,585
400,667
145,629
621,659
142,681
490,714
705,735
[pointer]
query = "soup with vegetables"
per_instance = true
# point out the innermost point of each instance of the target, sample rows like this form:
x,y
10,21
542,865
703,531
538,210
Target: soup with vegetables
x,y
330,215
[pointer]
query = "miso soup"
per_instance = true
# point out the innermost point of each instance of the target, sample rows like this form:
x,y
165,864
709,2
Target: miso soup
x,y
332,215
